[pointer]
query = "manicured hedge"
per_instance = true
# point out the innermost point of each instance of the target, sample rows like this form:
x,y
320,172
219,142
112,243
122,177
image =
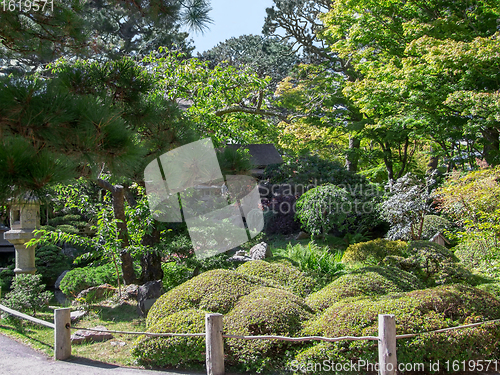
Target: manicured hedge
x,y
266,311
369,281
282,275
173,351
214,291
416,311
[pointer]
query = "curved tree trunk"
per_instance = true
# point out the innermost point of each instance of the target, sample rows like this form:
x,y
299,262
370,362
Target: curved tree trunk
x,y
118,193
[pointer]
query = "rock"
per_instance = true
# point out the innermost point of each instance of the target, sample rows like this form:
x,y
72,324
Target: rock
x,y
82,336
118,343
147,294
303,236
75,315
57,285
240,258
130,292
260,251
95,293
241,253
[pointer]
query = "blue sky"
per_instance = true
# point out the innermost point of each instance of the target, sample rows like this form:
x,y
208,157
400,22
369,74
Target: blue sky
x,y
232,18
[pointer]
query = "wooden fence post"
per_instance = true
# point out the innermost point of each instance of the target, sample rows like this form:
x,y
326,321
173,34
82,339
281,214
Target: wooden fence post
x,y
215,344
387,359
62,334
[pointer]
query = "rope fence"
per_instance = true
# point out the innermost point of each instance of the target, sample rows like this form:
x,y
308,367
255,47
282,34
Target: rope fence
x,y
214,337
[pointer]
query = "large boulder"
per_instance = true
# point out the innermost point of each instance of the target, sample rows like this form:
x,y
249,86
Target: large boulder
x,y
280,275
147,295
261,251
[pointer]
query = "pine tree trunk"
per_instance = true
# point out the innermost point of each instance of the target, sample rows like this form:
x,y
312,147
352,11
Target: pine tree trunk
x,y
491,146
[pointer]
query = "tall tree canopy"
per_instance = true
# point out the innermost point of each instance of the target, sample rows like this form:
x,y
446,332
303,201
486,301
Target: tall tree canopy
x,y
98,28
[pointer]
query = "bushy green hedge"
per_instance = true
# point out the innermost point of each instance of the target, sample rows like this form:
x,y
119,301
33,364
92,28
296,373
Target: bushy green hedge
x,y
82,278
280,274
416,311
214,291
50,262
373,252
266,311
432,263
173,351
370,281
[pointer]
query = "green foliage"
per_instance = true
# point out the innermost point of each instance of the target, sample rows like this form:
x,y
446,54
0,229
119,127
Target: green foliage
x,y
317,261
214,291
417,311
325,208
266,56
432,263
82,278
314,170
480,251
265,311
28,294
174,274
173,351
369,281
472,201
434,224
373,252
282,275
234,162
6,277
50,262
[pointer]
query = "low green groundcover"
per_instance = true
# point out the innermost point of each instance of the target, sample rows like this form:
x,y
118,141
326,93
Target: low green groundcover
x,y
369,281
282,275
416,311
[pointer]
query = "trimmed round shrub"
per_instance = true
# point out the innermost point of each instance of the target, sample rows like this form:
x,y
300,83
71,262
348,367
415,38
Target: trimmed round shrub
x,y
173,351
373,252
82,278
279,274
434,224
432,263
215,291
324,209
266,311
416,312
370,281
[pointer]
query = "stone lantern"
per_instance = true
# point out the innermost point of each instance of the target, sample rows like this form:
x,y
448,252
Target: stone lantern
x,y
24,219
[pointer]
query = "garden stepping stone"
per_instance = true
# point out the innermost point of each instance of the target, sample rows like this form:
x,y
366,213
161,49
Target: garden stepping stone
x,y
82,336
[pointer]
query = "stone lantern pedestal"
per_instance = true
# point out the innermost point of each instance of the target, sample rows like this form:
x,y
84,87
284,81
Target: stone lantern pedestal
x,y
24,219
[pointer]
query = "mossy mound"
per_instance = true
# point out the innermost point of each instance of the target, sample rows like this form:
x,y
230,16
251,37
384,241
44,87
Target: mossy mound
x,y
369,281
373,252
416,311
214,291
266,311
279,274
173,351
432,263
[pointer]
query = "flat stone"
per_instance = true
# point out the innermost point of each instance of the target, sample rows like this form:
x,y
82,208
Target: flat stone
x,y
82,336
75,315
303,236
